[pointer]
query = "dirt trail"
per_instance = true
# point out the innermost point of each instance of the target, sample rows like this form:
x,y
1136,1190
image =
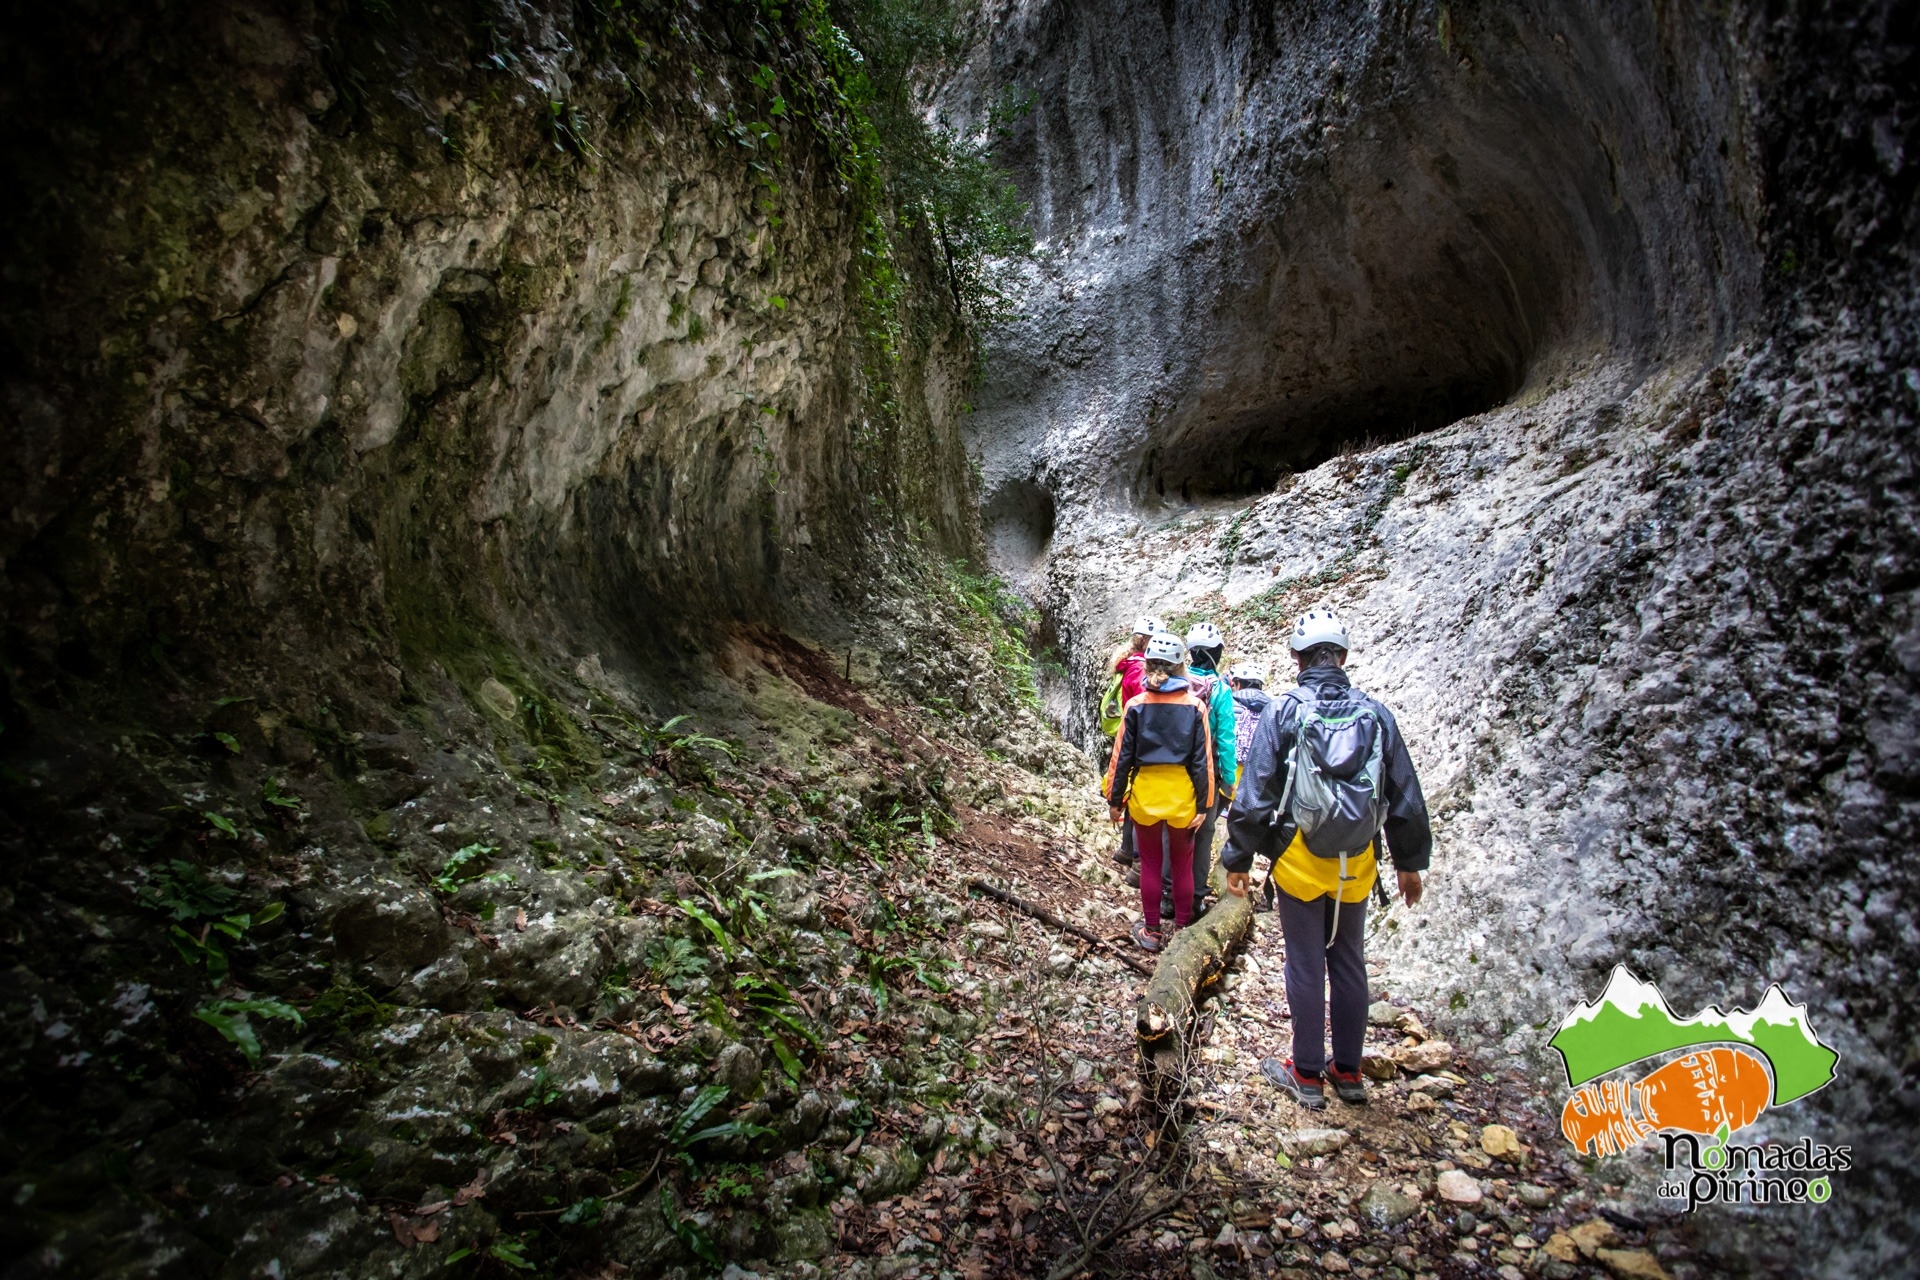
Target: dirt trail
x,y
1450,1171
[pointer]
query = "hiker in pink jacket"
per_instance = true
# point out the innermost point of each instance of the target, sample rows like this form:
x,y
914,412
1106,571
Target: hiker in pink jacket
x,y
1131,662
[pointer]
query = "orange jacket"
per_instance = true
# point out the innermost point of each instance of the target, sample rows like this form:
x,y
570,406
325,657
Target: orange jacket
x,y
1165,741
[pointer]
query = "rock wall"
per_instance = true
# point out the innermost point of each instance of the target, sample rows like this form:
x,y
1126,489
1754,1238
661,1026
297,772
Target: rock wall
x,y
407,409
1647,603
1277,232
326,326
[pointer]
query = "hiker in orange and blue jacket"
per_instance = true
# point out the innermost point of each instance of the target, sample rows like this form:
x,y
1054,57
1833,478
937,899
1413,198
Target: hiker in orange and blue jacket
x,y
1205,645
1130,665
1160,781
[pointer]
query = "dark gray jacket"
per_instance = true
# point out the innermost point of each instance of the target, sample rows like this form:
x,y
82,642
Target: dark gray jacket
x,y
1263,780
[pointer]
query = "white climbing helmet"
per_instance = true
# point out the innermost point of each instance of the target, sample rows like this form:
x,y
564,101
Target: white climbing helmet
x,y
1248,673
1205,635
1319,626
1166,647
1146,624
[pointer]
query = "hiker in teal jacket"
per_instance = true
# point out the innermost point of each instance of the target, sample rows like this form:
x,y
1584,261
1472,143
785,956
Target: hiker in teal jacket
x,y
1204,647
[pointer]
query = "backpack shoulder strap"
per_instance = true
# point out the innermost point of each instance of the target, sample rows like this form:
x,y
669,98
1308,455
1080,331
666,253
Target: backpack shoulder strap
x,y
1303,698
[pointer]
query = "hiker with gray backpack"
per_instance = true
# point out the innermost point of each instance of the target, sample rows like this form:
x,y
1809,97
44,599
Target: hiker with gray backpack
x,y
1327,778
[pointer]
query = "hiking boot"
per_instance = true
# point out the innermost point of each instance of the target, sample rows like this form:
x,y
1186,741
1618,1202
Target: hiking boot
x,y
1348,1086
1148,939
1133,877
1282,1076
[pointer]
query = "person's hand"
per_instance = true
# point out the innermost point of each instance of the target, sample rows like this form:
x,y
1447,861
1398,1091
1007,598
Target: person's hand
x,y
1410,888
1237,883
1116,814
1199,820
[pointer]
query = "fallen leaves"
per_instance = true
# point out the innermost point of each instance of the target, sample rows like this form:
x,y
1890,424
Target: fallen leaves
x,y
410,1232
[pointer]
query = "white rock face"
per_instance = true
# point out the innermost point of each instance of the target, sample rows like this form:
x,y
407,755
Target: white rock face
x,y
1267,235
1634,564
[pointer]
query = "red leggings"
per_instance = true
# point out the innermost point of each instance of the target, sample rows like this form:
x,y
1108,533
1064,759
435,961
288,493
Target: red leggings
x,y
1150,841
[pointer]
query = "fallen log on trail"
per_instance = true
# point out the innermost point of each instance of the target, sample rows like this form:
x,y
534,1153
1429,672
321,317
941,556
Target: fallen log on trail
x,y
1194,962
1045,916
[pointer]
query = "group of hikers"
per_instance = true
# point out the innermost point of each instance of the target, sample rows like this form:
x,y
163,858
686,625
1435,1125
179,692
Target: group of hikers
x,y
1313,782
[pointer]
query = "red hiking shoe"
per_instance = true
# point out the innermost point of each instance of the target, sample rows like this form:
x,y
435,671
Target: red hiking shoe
x,y
1348,1086
1310,1094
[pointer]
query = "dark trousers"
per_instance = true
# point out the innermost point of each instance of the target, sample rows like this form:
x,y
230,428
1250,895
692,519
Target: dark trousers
x,y
1314,970
1203,850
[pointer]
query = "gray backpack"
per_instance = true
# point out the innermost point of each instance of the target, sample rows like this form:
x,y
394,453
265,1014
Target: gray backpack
x,y
1333,793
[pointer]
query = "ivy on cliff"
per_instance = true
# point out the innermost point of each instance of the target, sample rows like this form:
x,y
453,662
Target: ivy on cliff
x,y
878,63
930,174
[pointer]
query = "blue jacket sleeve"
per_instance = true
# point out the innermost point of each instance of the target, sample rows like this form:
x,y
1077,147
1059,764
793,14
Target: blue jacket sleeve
x,y
1225,748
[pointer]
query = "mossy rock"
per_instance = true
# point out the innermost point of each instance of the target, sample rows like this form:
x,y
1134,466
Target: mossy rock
x,y
803,1235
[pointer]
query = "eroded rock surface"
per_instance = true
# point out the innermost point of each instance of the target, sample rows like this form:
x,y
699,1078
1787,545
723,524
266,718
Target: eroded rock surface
x,y
1646,605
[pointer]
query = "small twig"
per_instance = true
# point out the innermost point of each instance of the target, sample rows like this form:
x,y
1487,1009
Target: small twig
x,y
1045,916
607,1199
1077,1262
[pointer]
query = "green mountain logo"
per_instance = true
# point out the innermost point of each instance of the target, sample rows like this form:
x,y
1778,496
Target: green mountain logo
x,y
1631,1021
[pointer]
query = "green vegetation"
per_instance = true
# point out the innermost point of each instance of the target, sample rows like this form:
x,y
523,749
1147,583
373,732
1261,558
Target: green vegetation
x,y
932,175
460,867
689,1231
917,189
230,1019
1010,621
184,892
188,896
675,962
729,1182
684,1133
346,1009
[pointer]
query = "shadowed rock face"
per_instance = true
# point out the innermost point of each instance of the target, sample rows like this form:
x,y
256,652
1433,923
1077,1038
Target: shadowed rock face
x,y
394,400
1640,285
319,324
1278,235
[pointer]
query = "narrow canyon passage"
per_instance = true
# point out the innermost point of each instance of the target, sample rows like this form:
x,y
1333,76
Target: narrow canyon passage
x,y
561,563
